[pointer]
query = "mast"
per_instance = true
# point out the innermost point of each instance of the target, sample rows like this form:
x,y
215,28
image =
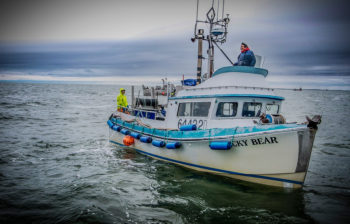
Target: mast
x,y
217,34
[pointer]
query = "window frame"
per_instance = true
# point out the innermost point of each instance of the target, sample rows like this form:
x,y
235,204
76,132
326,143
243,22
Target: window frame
x,y
256,114
273,104
222,114
192,108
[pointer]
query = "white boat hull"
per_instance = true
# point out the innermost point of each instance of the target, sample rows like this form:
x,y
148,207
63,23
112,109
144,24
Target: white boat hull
x,y
278,158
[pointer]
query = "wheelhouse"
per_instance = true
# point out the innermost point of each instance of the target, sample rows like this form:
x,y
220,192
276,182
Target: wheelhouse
x,y
221,111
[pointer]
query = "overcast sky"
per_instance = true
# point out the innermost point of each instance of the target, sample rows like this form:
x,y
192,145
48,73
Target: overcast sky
x,y
305,43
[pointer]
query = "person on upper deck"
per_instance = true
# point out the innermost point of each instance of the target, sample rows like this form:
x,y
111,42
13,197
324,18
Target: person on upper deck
x,y
246,57
122,102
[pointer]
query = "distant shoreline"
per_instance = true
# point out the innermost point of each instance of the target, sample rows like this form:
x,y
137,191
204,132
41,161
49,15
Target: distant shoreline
x,y
127,84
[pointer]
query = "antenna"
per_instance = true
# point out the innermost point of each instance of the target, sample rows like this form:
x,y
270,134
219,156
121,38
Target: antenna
x,y
217,34
223,6
217,18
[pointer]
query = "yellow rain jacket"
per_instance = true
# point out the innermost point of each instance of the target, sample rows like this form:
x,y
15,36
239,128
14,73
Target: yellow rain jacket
x,y
121,99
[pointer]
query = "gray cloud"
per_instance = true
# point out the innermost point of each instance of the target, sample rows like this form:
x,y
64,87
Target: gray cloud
x,y
106,58
300,37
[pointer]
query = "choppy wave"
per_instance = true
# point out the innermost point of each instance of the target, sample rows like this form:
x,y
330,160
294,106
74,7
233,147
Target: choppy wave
x,y
341,145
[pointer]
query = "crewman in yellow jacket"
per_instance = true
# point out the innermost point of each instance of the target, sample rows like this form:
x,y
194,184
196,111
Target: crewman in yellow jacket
x,y
121,100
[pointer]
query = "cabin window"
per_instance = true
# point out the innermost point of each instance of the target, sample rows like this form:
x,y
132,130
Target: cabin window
x,y
201,109
272,108
227,109
184,110
251,109
193,109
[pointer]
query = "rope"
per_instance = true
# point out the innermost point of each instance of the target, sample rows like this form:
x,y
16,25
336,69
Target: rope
x,y
166,137
224,53
209,135
153,131
233,135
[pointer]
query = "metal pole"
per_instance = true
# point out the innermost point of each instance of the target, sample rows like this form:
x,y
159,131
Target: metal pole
x,y
223,6
200,52
195,26
211,68
132,96
210,54
210,17
167,92
217,18
197,10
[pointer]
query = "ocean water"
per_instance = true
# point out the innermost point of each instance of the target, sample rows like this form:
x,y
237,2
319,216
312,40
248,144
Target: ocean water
x,y
57,166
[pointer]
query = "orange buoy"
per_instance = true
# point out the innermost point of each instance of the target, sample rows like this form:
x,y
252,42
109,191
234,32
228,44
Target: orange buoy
x,y
128,140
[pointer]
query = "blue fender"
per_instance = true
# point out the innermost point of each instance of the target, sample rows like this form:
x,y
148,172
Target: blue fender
x,y
125,131
220,145
110,123
135,135
158,143
190,127
116,128
173,145
146,139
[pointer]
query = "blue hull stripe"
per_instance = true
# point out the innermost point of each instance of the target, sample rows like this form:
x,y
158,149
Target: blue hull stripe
x,y
213,169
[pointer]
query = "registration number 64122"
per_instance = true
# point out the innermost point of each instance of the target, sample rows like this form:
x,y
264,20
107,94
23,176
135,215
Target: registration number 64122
x,y
201,124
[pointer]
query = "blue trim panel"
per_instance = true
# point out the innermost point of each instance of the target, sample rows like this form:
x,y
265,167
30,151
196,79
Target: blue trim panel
x,y
202,134
229,95
244,69
214,169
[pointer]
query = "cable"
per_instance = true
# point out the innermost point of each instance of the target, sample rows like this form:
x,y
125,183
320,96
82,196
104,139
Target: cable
x,y
223,53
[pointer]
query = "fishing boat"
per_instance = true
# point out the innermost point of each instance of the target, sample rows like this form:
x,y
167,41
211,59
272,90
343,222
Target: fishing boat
x,y
226,122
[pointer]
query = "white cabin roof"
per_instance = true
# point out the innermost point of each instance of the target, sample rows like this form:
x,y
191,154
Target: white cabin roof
x,y
240,81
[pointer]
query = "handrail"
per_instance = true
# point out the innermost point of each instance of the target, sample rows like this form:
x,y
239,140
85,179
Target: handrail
x,y
223,87
127,110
